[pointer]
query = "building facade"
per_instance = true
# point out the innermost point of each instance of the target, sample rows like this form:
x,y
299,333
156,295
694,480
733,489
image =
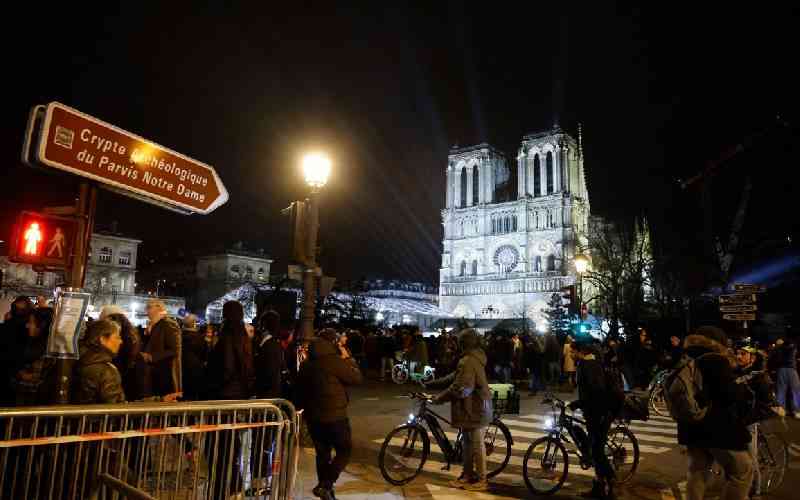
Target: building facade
x,y
504,259
218,274
110,278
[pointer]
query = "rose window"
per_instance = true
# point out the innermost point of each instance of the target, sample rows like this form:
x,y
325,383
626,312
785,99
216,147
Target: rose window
x,y
506,258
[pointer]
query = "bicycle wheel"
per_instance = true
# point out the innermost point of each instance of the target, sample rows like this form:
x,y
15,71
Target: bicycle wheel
x,y
622,450
497,441
773,460
545,466
657,403
403,454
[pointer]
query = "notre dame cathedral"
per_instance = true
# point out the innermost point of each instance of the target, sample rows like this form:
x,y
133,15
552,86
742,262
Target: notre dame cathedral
x,y
504,255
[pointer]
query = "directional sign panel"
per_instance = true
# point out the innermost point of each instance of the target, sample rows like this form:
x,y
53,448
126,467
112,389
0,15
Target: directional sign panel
x,y
83,145
43,239
738,308
749,288
738,298
739,317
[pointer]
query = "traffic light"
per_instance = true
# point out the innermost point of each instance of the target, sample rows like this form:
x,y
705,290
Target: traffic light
x,y
298,214
43,239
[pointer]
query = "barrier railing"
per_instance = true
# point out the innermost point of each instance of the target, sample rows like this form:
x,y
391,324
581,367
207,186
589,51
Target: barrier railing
x,y
191,450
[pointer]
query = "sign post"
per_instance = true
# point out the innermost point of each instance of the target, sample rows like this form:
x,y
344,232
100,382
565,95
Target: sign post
x,y
62,138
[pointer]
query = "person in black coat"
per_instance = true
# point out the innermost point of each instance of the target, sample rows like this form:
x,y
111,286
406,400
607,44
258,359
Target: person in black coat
x,y
269,359
195,356
722,435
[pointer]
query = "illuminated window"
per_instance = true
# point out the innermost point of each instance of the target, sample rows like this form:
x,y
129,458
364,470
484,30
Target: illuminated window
x,y
549,172
463,187
124,259
475,185
105,255
39,279
537,176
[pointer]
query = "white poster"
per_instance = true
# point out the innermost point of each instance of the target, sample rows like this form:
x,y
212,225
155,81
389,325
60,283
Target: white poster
x,y
66,329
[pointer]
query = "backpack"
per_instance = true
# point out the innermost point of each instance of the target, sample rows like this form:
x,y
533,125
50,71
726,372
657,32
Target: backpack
x,y
682,391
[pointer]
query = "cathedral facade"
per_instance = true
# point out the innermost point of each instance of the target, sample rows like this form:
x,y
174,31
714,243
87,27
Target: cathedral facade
x,y
504,256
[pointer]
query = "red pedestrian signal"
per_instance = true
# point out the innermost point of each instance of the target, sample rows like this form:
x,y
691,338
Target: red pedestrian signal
x,y
43,239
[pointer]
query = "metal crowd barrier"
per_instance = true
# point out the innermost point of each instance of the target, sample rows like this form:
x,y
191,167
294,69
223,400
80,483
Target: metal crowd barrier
x,y
190,450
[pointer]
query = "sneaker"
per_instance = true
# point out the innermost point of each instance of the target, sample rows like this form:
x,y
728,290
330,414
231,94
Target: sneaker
x,y
458,483
481,485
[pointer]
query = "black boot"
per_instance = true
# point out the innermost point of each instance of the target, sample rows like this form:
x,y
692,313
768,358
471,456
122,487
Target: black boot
x,y
597,491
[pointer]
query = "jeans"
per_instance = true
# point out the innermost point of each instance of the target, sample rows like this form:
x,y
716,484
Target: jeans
x,y
503,373
788,379
474,453
737,465
752,448
329,436
552,372
535,383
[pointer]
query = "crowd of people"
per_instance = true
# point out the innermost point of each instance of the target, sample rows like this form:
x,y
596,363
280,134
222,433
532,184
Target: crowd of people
x,y
174,358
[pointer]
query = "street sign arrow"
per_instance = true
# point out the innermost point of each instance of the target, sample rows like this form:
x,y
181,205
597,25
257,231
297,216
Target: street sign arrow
x,y
749,288
739,317
738,308
80,144
737,298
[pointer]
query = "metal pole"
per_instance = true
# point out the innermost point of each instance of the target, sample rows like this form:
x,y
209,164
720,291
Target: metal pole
x,y
309,283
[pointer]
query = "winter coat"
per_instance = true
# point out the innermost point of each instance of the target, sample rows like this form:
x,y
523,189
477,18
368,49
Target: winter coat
x,y
569,361
552,349
787,356
419,352
722,427
269,363
468,392
98,380
165,348
387,346
235,364
323,380
503,352
193,362
594,396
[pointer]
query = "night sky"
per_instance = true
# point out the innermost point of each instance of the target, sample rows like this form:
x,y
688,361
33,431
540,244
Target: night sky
x,y
386,91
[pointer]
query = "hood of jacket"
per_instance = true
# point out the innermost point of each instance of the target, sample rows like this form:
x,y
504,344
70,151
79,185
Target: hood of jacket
x,y
478,355
321,347
697,345
95,355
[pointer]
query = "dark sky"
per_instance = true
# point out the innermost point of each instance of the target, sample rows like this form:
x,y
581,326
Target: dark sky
x,y
386,91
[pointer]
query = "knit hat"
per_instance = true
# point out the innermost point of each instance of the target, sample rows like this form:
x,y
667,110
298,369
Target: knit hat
x,y
109,310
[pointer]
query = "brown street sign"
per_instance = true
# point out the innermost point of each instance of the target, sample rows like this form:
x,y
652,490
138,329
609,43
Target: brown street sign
x,y
83,145
737,298
738,308
739,317
748,288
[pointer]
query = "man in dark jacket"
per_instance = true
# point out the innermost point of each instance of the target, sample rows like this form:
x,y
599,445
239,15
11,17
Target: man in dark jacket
x,y
722,435
269,358
503,357
470,409
322,391
193,360
162,354
596,400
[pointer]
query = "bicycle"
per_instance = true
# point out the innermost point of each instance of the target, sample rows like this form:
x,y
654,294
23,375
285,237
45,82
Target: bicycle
x,y
407,447
773,461
549,456
656,401
401,371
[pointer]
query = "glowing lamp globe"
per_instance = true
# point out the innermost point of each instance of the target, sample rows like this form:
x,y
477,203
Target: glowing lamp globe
x,y
316,169
581,264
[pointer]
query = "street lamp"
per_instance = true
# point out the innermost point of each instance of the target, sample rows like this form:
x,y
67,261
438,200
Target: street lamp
x,y
316,170
581,265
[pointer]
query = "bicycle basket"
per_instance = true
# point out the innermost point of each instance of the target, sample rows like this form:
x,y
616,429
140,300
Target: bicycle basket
x,y
505,399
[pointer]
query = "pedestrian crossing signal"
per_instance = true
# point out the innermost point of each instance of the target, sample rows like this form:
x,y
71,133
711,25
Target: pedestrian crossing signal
x,y
43,239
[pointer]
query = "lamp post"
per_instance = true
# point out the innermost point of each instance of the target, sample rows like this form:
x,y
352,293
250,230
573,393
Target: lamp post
x,y
581,265
316,170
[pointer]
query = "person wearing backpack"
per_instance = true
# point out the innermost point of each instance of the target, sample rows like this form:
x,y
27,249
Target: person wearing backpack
x,y
600,402
703,397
